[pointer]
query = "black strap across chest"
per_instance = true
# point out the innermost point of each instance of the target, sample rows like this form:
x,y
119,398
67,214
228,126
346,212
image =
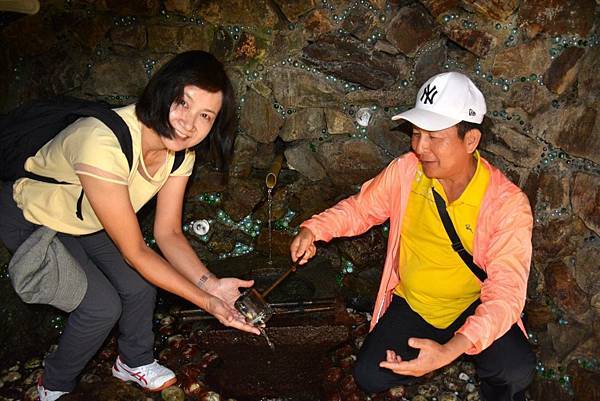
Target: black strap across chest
x,y
456,243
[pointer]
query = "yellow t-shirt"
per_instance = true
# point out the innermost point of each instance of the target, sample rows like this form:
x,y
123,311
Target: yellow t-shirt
x,y
434,280
90,142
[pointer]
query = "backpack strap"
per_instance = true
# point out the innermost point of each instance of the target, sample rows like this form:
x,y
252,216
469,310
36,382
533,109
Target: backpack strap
x,y
88,108
118,126
456,243
179,156
72,109
47,118
77,108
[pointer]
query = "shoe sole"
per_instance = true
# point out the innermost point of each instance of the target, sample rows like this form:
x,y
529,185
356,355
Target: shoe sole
x,y
166,384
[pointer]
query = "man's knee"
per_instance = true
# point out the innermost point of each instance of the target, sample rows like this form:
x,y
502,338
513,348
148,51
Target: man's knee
x,y
373,379
521,372
515,368
366,376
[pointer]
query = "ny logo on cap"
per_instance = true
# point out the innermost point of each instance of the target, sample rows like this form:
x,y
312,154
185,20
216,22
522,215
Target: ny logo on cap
x,y
472,112
428,94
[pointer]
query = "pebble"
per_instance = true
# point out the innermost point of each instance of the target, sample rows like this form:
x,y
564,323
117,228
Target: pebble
x,y
166,330
333,375
463,376
397,392
176,340
208,359
90,378
211,396
107,354
450,370
428,390
474,396
173,393
468,368
31,394
348,385
451,384
353,396
33,377
11,377
33,363
343,352
448,397
334,396
167,320
52,348
347,362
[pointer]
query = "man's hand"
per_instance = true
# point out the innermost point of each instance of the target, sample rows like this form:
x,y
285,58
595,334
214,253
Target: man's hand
x,y
432,356
303,244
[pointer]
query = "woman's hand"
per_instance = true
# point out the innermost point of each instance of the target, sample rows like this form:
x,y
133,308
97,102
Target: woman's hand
x,y
227,315
227,289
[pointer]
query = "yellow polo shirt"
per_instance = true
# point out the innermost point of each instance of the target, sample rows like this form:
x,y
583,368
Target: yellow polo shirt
x,y
90,142
434,280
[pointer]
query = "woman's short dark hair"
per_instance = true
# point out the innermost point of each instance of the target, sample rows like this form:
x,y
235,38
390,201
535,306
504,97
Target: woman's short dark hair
x,y
197,68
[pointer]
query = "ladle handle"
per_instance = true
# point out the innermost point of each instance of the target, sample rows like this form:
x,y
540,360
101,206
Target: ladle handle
x,y
282,277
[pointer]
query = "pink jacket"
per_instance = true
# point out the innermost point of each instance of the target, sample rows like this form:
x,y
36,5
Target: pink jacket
x,y
502,243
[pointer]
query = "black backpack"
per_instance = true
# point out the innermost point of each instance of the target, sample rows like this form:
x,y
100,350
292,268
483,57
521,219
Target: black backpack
x,y
26,129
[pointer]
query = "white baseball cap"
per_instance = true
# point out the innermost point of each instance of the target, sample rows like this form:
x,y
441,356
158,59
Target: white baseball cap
x,y
445,100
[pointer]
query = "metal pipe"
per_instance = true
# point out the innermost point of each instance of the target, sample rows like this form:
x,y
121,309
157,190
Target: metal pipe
x,y
302,303
280,311
303,310
193,318
271,178
275,305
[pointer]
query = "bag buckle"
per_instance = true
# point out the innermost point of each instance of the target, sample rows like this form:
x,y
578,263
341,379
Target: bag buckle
x,y
457,246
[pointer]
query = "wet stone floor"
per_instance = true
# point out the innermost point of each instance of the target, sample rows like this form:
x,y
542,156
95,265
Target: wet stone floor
x,y
312,360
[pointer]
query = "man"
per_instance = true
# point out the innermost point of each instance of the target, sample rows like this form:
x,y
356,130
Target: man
x,y
431,307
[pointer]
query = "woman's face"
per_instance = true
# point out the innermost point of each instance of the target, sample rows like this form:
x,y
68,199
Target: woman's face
x,y
192,117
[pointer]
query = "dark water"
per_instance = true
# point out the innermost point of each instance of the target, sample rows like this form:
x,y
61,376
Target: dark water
x,y
248,370
289,373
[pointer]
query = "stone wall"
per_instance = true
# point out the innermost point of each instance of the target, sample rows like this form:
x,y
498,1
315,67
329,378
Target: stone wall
x,y
306,72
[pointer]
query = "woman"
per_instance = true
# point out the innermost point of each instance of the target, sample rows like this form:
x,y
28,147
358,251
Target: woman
x,y
188,100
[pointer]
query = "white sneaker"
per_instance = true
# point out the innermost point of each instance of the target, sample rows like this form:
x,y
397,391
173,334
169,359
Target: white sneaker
x,y
153,377
48,395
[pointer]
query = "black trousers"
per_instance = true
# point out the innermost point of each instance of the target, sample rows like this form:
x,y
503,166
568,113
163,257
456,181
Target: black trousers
x,y
115,293
505,368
